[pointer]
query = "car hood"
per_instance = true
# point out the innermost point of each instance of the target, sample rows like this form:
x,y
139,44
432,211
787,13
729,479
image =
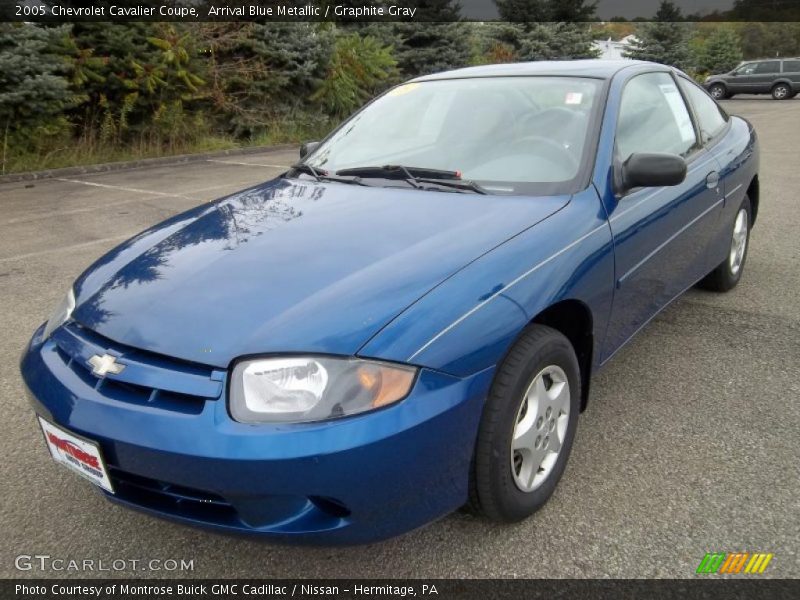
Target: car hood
x,y
291,266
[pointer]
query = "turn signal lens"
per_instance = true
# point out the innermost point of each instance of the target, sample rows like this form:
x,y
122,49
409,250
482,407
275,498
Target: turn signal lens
x,y
386,384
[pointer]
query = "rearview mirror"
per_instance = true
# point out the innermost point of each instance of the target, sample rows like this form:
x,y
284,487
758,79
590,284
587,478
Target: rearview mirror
x,y
646,169
307,148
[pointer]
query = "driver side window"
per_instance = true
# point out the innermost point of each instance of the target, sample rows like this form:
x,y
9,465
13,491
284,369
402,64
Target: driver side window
x,y
653,118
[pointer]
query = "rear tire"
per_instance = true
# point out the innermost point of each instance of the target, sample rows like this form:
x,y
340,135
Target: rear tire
x,y
527,428
781,91
728,273
718,91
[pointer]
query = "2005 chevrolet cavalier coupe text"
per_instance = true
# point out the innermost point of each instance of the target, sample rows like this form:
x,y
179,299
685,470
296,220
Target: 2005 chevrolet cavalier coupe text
x,y
407,320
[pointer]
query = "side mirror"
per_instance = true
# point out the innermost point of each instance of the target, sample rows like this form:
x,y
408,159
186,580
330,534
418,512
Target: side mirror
x,y
652,170
307,148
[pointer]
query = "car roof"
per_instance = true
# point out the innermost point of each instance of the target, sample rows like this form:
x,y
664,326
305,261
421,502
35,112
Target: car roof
x,y
601,69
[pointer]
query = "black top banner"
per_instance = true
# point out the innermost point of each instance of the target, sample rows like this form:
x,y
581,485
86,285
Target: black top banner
x,y
398,10
433,589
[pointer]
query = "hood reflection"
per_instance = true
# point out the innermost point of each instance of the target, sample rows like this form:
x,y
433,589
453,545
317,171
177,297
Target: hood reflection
x,y
231,221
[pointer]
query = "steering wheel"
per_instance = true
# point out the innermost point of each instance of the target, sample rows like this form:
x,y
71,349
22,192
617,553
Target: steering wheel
x,y
533,142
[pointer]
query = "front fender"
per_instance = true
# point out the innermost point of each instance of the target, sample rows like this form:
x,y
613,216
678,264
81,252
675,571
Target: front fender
x,y
468,323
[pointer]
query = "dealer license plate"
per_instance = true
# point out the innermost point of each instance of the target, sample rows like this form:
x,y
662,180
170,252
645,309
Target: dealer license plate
x,y
79,454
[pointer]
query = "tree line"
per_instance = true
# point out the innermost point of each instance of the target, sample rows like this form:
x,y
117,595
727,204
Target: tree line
x,y
89,92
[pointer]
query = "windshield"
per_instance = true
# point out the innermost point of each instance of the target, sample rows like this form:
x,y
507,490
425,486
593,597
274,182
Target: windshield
x,y
508,134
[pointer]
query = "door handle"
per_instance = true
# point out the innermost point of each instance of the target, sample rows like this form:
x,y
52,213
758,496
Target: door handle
x,y
712,180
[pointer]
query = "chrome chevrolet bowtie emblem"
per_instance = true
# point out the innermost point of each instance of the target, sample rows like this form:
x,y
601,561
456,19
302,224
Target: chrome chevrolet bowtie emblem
x,y
103,365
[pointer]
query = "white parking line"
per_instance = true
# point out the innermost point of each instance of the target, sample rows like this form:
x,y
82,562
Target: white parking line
x,y
126,189
118,238
74,211
244,164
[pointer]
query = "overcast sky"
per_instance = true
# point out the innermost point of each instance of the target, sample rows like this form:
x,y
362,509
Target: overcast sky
x,y
486,9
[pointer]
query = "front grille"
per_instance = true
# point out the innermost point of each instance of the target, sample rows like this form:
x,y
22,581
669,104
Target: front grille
x,y
148,379
172,499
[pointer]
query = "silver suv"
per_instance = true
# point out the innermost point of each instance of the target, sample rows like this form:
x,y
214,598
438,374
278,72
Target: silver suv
x,y
777,76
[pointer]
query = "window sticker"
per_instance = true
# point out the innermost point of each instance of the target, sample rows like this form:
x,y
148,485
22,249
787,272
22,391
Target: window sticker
x,y
573,98
679,111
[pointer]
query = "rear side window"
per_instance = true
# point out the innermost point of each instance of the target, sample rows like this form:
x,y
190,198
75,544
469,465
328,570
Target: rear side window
x,y
653,118
710,116
768,66
791,66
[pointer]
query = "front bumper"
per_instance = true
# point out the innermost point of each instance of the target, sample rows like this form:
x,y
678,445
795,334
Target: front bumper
x,y
355,480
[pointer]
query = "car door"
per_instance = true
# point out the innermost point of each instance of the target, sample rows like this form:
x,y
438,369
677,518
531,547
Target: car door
x,y
660,233
740,78
763,75
713,124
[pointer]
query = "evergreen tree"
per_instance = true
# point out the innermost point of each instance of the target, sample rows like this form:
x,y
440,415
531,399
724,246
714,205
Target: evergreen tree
x,y
259,71
664,40
358,69
440,44
721,52
33,83
295,55
113,72
33,88
431,47
668,12
537,41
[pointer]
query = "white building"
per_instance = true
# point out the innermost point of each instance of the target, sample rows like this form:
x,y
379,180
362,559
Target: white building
x,y
611,50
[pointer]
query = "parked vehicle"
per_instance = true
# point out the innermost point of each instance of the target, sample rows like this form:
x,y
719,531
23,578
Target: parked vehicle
x,y
777,76
408,320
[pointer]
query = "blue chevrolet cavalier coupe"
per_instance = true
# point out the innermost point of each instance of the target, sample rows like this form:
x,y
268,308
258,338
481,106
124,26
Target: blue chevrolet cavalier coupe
x,y
408,320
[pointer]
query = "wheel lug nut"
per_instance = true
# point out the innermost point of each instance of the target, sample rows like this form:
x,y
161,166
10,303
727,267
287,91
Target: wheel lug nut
x,y
546,441
538,442
549,412
552,425
539,422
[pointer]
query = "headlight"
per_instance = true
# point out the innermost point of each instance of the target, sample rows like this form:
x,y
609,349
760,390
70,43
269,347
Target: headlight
x,y
306,389
60,315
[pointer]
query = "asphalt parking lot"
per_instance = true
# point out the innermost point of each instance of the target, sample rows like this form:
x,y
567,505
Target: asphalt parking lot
x,y
691,442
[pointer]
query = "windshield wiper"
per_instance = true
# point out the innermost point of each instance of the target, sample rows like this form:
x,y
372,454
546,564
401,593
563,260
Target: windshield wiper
x,y
320,175
400,172
416,176
458,184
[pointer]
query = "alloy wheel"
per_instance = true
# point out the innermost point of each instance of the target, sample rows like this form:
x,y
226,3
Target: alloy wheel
x,y
540,428
738,242
780,92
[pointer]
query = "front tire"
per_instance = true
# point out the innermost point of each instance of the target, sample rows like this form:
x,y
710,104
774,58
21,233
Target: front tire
x,y
718,91
781,91
728,273
528,426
